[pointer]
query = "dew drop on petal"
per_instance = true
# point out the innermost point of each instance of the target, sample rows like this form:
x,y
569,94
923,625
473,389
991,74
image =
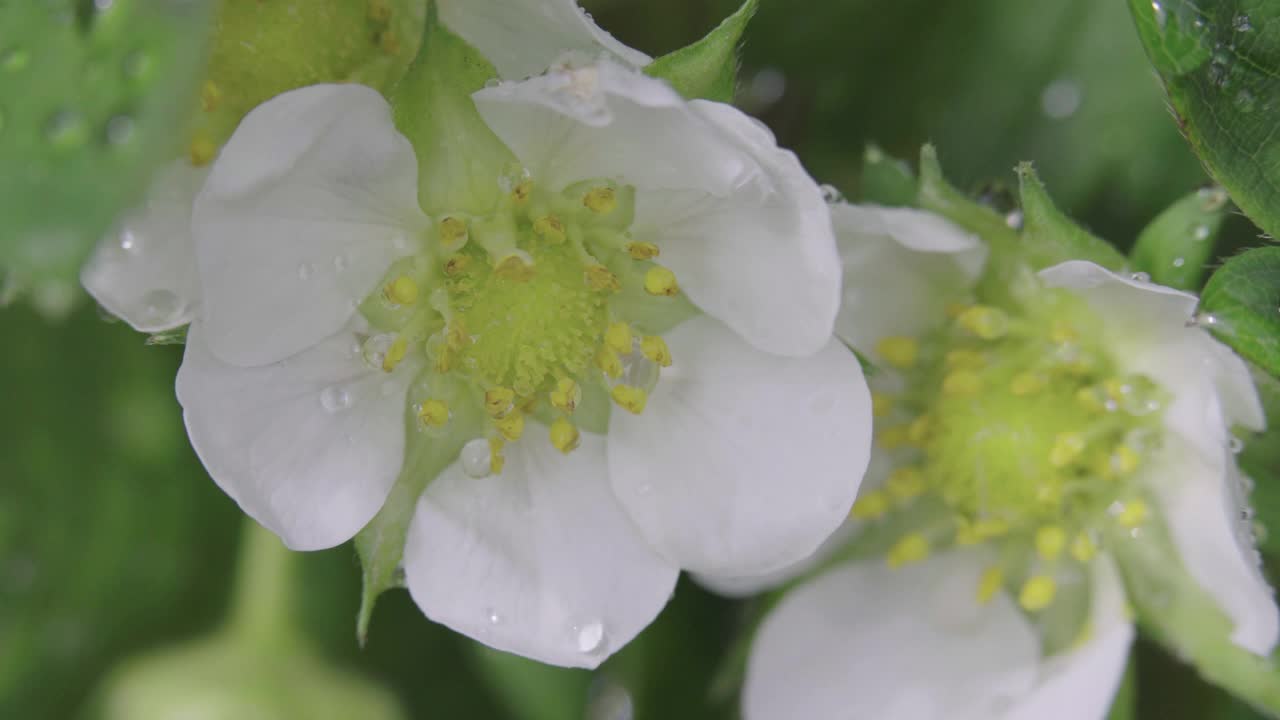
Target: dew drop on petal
x,y
475,459
1140,277
334,399
1236,445
492,616
160,306
589,637
830,193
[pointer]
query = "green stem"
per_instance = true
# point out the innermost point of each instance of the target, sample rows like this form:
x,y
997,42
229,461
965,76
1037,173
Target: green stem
x,y
263,606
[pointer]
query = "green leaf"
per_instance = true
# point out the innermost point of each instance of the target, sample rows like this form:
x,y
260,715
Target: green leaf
x,y
887,180
1241,306
1260,461
1220,63
1175,247
1050,237
90,101
708,68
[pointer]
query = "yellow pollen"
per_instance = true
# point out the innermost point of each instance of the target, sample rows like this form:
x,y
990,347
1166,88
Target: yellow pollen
x,y
1050,541
910,549
1133,514
655,348
210,96
870,506
918,430
1124,460
1066,448
633,399
549,228
962,382
660,281
642,250
453,233
564,436
989,584
898,351
906,483
515,268
511,426
201,151
968,359
496,459
602,279
881,404
1026,383
893,437
395,353
1082,548
434,413
566,396
456,263
402,291
972,533
987,323
499,401
520,193
618,337
1037,593
601,200
607,360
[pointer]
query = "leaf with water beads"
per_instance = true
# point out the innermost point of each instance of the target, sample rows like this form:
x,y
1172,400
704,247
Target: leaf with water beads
x,y
1241,306
708,68
1174,248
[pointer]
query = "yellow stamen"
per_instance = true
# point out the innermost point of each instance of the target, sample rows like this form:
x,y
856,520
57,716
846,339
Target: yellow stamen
x,y
566,396
989,584
1066,448
456,263
210,96
631,398
655,348
395,353
906,483
434,413
514,267
972,533
608,361
1133,514
1037,593
402,291
453,233
1027,383
499,401
910,549
987,323
642,250
549,228
660,281
898,351
962,382
871,505
618,337
881,404
1124,460
520,193
1050,541
564,436
602,279
601,200
511,426
201,151
1082,548
496,459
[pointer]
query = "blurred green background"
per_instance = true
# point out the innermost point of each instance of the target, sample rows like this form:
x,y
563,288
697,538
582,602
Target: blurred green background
x,y
113,540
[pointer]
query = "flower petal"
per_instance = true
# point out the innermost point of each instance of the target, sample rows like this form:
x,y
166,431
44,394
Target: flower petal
x,y
538,560
1081,683
309,446
743,462
1202,508
864,641
145,272
744,228
901,268
308,204
524,37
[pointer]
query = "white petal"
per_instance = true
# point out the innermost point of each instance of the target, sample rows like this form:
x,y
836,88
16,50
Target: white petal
x,y
864,642
309,446
308,204
743,462
145,271
746,231
1081,683
1202,507
538,560
901,268
524,37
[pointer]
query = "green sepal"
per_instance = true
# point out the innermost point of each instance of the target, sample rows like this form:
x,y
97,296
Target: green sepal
x,y
887,180
176,336
428,452
708,68
1175,247
460,160
1239,306
1050,237
1125,704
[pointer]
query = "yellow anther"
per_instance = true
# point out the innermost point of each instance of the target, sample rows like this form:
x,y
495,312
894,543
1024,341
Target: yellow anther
x,y
210,96
389,42
1037,593
962,382
1063,333
402,291
918,430
655,348
202,150
456,336
986,322
521,192
602,279
516,268
989,584
967,359
1050,541
496,459
549,228
1124,460
1026,383
1066,448
872,505
906,483
444,359
633,399
453,233
456,264
498,401
898,351
892,437
881,404
395,353
511,426
910,549
1133,514
601,200
434,413
642,250
564,436
1082,548
660,281
608,361
566,396
618,337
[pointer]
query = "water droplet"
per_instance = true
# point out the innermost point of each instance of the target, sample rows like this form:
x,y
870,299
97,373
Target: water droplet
x,y
334,399
1161,15
305,271
120,129
1206,320
639,371
475,459
375,349
14,59
1061,99
1140,277
1013,220
766,87
66,129
129,241
160,306
589,637
1236,445
492,616
1241,23
831,194
1245,101
1179,262
1200,233
1212,198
